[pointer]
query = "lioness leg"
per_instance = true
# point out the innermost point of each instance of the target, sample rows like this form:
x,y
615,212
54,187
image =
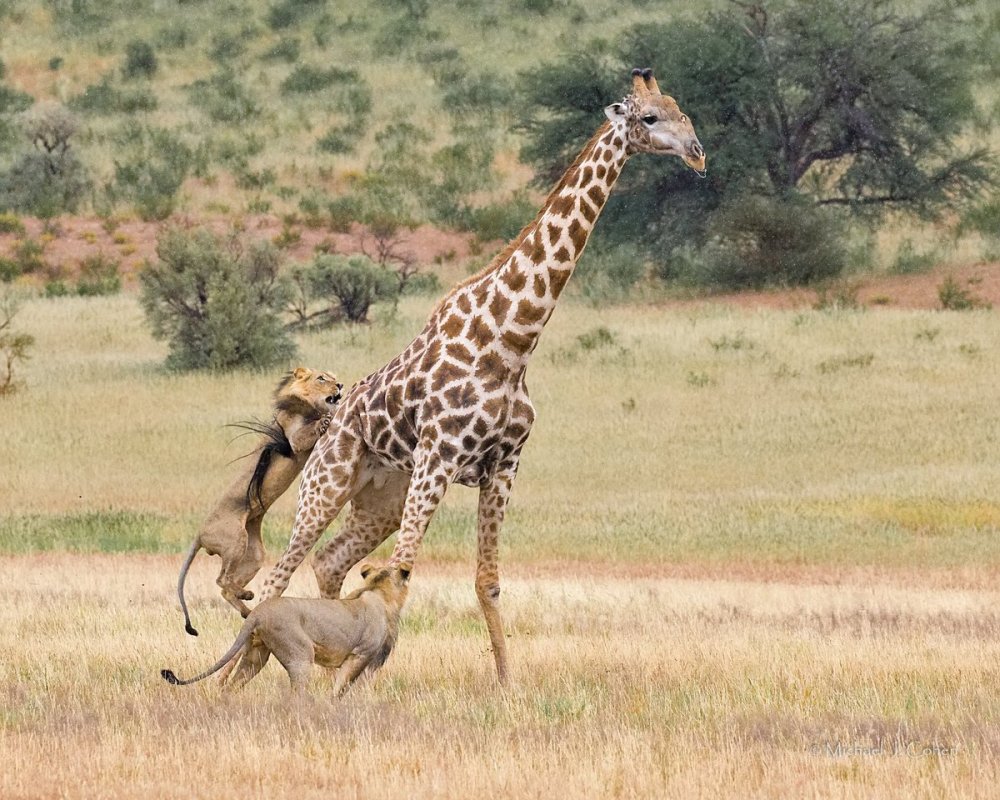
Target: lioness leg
x,y
348,672
253,661
375,513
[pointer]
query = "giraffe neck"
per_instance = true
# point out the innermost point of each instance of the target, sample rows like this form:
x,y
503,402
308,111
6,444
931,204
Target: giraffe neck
x,y
519,290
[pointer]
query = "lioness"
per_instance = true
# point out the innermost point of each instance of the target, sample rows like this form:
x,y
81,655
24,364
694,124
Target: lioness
x,y
354,634
303,400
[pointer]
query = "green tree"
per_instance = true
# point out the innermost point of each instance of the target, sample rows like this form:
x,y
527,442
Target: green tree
x,y
216,301
849,104
48,179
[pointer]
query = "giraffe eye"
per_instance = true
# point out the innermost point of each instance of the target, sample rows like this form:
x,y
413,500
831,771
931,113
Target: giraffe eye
x,y
649,119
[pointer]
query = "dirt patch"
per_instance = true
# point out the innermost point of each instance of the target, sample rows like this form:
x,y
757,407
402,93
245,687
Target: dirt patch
x,y
68,241
920,291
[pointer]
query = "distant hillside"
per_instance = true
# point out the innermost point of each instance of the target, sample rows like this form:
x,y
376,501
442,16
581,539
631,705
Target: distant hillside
x,y
282,105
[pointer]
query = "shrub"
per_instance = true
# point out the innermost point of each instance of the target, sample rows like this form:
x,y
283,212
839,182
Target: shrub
x,y
151,171
285,49
957,298
140,60
224,98
28,255
98,276
56,288
422,283
339,139
909,262
226,45
284,15
761,241
9,269
103,98
353,283
306,78
608,273
355,100
344,211
216,301
9,223
501,220
14,346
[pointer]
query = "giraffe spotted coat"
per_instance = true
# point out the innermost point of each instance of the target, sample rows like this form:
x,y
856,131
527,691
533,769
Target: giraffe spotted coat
x,y
453,407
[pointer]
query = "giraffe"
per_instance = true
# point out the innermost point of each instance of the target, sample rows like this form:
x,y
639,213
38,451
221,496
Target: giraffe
x,y
453,407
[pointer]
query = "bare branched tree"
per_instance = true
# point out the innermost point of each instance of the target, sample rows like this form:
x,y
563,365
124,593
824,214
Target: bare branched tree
x,y
13,346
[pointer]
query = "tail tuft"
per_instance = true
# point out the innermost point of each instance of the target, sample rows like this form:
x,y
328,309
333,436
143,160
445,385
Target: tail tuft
x,y
190,629
169,677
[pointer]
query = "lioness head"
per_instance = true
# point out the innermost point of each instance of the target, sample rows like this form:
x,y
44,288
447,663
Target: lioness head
x,y
305,389
391,582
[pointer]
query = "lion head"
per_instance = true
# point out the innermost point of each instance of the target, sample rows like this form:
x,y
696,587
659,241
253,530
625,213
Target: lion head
x,y
308,392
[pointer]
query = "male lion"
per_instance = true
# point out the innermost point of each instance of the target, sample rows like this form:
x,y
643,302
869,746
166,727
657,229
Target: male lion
x,y
353,635
303,401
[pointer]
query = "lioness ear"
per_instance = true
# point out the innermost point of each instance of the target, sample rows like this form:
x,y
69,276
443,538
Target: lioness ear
x,y
366,570
404,574
300,373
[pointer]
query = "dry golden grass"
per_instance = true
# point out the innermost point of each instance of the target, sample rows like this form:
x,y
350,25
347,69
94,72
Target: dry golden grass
x,y
746,550
624,687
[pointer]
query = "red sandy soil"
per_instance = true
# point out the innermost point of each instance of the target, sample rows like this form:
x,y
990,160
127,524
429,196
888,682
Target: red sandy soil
x,y
132,242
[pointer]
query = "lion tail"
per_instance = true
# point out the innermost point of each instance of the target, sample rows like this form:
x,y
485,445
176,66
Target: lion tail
x,y
241,641
195,547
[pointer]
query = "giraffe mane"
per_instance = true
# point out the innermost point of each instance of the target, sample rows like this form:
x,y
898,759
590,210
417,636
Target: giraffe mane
x,y
501,258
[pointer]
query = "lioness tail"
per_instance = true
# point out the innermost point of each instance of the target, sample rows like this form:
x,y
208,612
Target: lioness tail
x,y
241,640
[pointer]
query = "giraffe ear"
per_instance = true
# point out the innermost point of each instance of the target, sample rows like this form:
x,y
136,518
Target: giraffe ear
x,y
615,112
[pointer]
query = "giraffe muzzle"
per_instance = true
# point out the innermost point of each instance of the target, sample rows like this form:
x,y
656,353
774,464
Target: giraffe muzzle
x,y
695,158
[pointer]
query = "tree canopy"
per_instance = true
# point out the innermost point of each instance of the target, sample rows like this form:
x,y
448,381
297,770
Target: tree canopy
x,y
849,103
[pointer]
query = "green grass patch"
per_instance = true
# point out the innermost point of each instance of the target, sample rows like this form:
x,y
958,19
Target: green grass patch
x,y
90,532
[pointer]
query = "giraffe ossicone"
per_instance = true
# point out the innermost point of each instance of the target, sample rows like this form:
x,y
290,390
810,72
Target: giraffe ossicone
x,y
453,407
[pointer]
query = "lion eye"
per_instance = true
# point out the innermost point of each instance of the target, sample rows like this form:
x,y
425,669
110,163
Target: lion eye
x,y
684,117
320,379
649,119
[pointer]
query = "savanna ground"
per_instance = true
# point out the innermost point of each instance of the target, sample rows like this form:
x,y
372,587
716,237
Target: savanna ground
x,y
750,553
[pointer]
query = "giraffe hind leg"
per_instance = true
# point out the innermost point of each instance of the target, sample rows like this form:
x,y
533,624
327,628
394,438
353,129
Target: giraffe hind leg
x,y
375,513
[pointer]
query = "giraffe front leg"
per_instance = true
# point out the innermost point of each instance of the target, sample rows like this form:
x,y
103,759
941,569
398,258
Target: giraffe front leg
x,y
493,499
328,481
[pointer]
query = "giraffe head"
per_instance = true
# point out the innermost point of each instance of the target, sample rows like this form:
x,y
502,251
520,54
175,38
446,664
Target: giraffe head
x,y
653,123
